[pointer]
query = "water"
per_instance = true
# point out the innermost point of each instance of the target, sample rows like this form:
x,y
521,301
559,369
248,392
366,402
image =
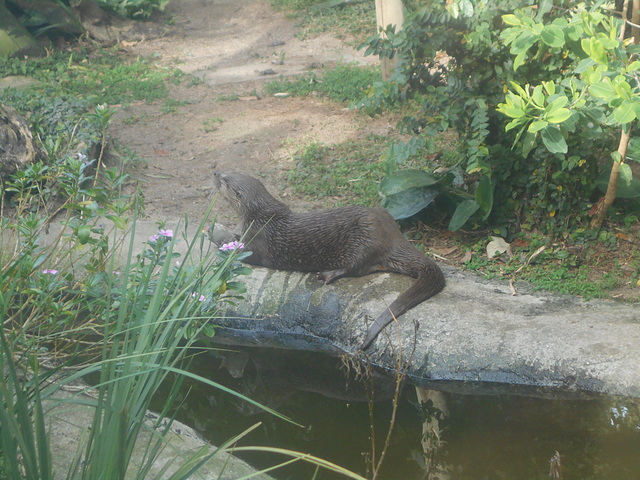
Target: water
x,y
483,436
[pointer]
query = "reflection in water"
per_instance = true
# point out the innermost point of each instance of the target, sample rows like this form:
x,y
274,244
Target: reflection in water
x,y
434,407
448,436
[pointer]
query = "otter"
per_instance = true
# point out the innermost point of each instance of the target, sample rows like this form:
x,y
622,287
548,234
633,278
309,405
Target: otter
x,y
341,242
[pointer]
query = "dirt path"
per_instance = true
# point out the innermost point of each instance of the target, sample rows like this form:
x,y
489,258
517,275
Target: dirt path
x,y
229,44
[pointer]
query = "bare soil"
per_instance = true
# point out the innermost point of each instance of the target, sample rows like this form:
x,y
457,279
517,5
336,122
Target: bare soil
x,y
230,45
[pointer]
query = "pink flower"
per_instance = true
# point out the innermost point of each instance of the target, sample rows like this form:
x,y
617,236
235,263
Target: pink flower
x,y
166,233
200,299
154,238
50,271
232,246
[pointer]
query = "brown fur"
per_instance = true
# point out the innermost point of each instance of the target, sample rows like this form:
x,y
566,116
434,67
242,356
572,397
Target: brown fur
x,y
341,242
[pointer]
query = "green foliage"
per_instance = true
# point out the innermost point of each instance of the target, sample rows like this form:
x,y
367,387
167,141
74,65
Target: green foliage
x,y
598,89
345,172
92,77
350,19
454,60
343,83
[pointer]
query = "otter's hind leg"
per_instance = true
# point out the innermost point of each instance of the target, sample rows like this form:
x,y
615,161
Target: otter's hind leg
x,y
331,276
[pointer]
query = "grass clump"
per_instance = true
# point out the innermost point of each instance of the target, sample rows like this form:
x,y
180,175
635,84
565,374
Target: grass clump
x,y
343,83
101,76
349,20
346,173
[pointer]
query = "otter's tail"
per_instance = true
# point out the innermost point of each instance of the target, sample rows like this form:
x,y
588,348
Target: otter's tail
x,y
430,281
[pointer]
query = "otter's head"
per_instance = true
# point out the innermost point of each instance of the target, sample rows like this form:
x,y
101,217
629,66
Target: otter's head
x,y
247,194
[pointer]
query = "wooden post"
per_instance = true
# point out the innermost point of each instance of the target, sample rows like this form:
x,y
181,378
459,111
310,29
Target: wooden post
x,y
389,12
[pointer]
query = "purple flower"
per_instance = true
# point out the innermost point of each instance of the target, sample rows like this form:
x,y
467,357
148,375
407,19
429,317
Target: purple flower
x,y
154,238
166,233
50,271
232,246
200,299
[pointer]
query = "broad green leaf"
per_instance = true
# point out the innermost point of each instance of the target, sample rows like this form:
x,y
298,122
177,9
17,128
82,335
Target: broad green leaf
x,y
553,36
463,212
603,90
484,196
514,124
537,96
553,139
406,179
550,88
528,143
616,156
633,67
559,116
544,7
557,104
583,66
523,43
466,8
409,202
626,175
623,89
631,190
537,126
595,50
511,20
625,113
519,60
453,10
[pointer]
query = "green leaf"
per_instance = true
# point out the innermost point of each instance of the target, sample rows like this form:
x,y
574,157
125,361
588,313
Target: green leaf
x,y
519,60
559,116
511,20
625,113
632,190
523,43
595,50
84,233
604,90
557,104
463,213
528,143
553,140
616,156
553,36
626,175
237,287
466,8
405,180
484,196
409,202
243,270
537,126
537,96
550,88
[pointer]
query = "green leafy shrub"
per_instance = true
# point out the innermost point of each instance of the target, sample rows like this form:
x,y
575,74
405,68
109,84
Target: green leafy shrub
x,y
453,60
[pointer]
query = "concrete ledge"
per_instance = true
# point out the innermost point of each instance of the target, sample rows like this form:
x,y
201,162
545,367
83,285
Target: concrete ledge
x,y
474,331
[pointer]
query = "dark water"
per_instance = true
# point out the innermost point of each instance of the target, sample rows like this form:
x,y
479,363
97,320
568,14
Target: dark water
x,y
484,436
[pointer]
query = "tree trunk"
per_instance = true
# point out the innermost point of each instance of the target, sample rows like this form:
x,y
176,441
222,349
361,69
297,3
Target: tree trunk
x,y
17,149
389,12
612,187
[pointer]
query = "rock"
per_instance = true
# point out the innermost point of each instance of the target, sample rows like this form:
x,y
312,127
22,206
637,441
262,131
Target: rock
x,y
17,148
